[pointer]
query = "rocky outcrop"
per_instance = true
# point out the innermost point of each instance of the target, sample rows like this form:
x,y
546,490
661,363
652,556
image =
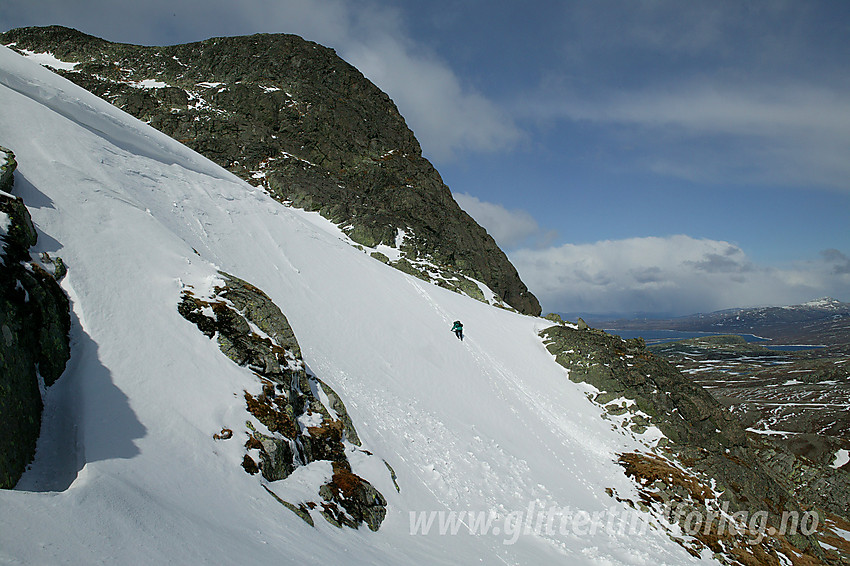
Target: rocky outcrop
x,y
815,485
299,418
698,461
291,116
7,170
34,326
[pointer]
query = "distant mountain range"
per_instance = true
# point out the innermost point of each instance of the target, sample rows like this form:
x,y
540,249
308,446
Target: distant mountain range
x,y
822,321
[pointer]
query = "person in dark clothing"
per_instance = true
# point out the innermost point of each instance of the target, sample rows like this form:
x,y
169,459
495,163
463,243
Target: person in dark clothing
x,y
458,330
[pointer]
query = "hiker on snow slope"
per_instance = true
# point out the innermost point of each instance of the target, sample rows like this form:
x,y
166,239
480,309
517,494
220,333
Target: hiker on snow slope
x,y
458,330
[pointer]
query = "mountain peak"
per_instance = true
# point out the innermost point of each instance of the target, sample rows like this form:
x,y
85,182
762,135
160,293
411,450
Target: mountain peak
x,y
291,117
823,302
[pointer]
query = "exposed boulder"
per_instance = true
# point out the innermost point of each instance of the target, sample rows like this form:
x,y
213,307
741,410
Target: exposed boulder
x,y
362,502
7,169
304,420
34,327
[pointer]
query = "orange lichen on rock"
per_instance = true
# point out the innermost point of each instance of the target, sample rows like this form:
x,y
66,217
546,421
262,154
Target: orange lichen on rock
x,y
270,415
649,468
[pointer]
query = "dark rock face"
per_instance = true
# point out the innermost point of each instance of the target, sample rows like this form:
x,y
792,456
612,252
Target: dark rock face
x,y
685,413
34,327
291,116
306,420
703,462
814,485
362,502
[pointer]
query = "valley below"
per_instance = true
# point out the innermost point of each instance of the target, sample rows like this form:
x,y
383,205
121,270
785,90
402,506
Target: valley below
x,y
784,372
795,408
799,398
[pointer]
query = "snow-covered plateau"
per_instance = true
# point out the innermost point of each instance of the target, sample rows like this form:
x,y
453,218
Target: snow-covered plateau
x,y
127,470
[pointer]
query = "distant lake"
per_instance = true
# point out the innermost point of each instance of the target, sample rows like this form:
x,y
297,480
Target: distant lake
x,y
791,347
662,336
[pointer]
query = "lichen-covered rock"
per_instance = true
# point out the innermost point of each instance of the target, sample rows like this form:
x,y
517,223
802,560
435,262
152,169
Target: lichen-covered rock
x,y
34,326
554,317
304,419
7,169
814,485
361,502
292,116
380,257
684,412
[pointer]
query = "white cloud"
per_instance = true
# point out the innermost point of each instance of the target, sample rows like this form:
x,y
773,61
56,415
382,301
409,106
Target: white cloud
x,y
677,275
510,228
446,116
727,109
712,92
710,131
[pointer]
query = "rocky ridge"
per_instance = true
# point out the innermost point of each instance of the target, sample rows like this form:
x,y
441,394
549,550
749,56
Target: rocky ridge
x,y
292,117
295,419
34,327
700,470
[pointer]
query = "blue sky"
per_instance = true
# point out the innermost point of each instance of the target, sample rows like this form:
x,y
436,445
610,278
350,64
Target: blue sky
x,y
661,156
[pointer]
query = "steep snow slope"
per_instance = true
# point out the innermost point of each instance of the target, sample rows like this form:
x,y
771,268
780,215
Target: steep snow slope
x,y
127,470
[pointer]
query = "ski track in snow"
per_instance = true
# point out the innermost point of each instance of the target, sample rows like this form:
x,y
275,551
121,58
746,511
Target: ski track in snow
x,y
488,423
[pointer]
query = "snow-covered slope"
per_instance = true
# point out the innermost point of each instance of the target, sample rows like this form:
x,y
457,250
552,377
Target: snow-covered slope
x,y
127,470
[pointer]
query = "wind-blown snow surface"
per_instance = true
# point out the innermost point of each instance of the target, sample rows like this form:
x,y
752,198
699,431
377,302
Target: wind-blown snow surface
x,y
127,470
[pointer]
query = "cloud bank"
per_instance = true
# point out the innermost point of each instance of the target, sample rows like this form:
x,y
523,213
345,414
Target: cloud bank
x,y
674,275
510,228
710,131
738,93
